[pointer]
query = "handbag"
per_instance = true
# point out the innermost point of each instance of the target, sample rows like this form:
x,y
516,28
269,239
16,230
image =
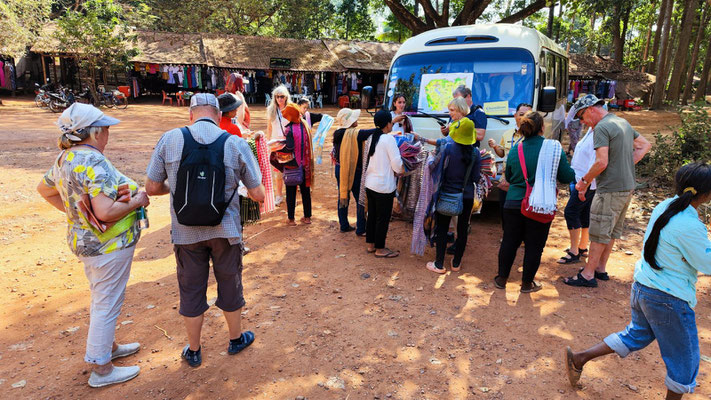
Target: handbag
x,y
451,204
526,210
294,176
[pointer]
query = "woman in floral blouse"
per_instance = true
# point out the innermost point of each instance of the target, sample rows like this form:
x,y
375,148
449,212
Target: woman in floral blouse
x,y
100,204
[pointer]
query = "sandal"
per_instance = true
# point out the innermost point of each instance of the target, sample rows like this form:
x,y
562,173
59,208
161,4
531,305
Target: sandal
x,y
497,284
370,251
455,268
572,371
581,252
389,254
306,221
580,281
603,276
433,267
291,222
535,286
569,258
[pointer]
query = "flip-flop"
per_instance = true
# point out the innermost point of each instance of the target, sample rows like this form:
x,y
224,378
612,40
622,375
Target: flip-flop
x,y
580,281
536,287
389,254
306,221
370,251
432,267
453,268
573,373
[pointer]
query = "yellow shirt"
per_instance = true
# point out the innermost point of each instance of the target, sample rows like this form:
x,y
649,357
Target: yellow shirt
x,y
508,140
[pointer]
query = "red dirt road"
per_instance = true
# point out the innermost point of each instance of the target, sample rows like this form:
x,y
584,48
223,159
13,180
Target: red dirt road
x,y
331,322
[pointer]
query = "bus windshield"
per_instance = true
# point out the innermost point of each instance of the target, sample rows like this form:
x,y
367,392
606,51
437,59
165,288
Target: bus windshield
x,y
500,79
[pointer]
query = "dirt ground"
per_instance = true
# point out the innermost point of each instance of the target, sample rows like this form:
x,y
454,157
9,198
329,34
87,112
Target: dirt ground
x,y
331,322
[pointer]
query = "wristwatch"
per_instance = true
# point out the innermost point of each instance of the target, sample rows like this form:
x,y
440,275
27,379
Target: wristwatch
x,y
584,181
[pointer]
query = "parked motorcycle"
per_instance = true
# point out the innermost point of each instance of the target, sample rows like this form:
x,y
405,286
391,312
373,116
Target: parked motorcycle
x,y
61,100
41,98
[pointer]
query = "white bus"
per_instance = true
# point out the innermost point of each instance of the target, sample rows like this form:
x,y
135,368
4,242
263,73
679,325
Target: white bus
x,y
504,65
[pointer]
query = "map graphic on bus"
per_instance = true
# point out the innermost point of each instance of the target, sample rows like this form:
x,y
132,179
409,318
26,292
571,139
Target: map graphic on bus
x,y
436,90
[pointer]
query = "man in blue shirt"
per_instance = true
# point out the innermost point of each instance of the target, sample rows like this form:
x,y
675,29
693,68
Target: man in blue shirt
x,y
476,114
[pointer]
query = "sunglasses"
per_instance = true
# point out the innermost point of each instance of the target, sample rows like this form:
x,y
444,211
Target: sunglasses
x,y
281,96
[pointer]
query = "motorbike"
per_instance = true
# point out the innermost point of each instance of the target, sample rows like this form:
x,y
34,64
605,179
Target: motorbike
x,y
109,98
42,97
61,100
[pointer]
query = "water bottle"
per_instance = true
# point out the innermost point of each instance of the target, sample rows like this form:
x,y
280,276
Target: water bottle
x,y
142,217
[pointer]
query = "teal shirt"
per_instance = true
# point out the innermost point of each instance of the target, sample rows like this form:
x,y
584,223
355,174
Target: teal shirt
x,y
514,174
684,250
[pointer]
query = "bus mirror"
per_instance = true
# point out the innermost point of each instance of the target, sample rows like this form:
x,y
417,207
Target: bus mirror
x,y
547,99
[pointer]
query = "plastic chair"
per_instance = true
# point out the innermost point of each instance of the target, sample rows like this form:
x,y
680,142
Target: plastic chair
x,y
343,101
267,99
179,98
319,101
166,97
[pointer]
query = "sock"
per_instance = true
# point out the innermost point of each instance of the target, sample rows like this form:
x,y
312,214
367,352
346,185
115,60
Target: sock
x,y
237,341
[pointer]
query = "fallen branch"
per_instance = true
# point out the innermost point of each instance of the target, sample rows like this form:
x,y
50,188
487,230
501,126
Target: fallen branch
x,y
165,333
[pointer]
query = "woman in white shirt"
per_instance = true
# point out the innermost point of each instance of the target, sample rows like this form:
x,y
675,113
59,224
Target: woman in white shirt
x,y
383,162
577,213
276,128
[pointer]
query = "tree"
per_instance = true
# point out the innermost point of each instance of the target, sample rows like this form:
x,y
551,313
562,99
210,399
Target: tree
x,y
393,30
98,36
657,37
705,74
353,20
620,15
22,21
682,53
700,30
467,12
661,81
306,19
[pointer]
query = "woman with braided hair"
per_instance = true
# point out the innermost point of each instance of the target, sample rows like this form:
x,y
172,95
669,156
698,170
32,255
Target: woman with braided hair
x,y
676,249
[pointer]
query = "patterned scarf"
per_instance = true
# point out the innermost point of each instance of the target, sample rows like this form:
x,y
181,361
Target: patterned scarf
x,y
348,158
264,166
302,143
419,240
362,199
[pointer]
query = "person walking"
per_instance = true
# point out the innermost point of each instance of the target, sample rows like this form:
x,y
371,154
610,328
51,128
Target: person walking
x,y
663,295
618,147
381,161
459,171
347,155
299,172
577,212
100,203
218,239
544,162
276,124
508,140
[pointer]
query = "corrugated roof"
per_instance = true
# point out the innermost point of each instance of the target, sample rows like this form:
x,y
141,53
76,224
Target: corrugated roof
x,y
361,55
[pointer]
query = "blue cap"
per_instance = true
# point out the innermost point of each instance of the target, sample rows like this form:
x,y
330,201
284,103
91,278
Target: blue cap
x,y
105,120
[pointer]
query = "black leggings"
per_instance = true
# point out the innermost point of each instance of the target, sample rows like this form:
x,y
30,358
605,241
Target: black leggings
x,y
442,227
305,199
380,209
534,234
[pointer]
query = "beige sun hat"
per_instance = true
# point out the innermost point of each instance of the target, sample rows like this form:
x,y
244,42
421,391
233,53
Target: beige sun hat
x,y
347,117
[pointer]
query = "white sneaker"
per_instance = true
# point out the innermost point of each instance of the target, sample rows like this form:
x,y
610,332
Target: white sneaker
x,y
124,350
117,375
278,200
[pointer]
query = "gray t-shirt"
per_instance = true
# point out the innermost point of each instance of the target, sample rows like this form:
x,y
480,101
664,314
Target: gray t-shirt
x,y
618,135
240,165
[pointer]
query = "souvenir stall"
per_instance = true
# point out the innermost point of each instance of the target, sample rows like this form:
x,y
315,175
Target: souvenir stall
x,y
8,77
605,78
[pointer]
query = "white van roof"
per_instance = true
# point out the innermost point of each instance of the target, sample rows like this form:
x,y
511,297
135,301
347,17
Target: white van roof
x,y
506,35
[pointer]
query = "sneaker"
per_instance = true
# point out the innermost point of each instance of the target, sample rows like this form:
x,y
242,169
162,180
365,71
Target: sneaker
x,y
246,251
117,375
194,358
237,345
124,350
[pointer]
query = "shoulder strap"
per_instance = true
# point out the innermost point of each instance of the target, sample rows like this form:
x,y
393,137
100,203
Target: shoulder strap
x,y
281,124
189,143
522,161
469,170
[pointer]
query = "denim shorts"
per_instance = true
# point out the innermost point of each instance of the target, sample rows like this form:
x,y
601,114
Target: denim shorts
x,y
670,320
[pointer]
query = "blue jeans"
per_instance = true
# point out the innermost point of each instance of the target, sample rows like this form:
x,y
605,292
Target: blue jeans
x,y
670,320
343,212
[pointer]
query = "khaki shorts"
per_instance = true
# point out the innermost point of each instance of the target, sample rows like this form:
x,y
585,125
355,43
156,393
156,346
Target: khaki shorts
x,y
607,215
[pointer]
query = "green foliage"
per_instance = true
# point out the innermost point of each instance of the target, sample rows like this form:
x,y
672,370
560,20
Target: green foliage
x,y
306,19
353,20
690,142
99,35
394,31
22,21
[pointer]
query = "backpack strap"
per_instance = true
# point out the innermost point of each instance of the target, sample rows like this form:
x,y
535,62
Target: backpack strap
x,y
220,143
189,143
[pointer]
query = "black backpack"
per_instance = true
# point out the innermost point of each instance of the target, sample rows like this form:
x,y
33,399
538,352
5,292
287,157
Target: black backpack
x,y
199,197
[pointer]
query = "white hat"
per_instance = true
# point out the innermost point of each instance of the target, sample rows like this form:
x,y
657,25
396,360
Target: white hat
x,y
79,116
204,99
347,117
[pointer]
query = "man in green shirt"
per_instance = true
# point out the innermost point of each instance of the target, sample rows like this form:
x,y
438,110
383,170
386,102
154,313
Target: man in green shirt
x,y
618,147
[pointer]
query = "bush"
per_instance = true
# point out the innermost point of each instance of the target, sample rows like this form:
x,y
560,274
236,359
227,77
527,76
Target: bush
x,y
691,141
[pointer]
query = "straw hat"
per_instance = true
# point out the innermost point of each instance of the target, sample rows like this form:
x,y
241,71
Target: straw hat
x,y
347,117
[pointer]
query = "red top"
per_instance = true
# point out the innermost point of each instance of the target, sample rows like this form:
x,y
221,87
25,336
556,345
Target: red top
x,y
232,129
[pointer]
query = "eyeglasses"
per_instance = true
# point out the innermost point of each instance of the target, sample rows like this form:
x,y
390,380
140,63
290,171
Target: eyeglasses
x,y
281,96
582,113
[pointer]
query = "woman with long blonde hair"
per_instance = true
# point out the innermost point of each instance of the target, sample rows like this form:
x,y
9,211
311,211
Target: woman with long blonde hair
x,y
276,129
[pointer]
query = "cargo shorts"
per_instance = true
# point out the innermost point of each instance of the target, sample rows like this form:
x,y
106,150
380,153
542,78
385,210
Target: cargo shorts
x,y
607,215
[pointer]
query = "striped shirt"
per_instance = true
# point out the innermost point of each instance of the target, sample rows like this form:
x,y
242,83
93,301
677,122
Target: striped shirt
x,y
240,165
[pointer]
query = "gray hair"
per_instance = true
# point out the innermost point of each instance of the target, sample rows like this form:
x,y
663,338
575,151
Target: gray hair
x,y
463,91
67,139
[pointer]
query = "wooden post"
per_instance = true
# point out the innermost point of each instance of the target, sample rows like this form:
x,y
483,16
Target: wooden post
x,y
54,67
44,70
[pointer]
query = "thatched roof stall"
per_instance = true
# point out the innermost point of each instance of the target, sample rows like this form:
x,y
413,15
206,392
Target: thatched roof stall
x,y
363,56
170,48
630,83
259,52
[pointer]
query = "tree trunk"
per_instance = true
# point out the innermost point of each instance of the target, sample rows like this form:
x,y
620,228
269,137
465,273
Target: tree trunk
x,y
681,54
567,46
657,33
701,27
560,18
524,12
705,75
660,84
617,39
551,17
645,52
